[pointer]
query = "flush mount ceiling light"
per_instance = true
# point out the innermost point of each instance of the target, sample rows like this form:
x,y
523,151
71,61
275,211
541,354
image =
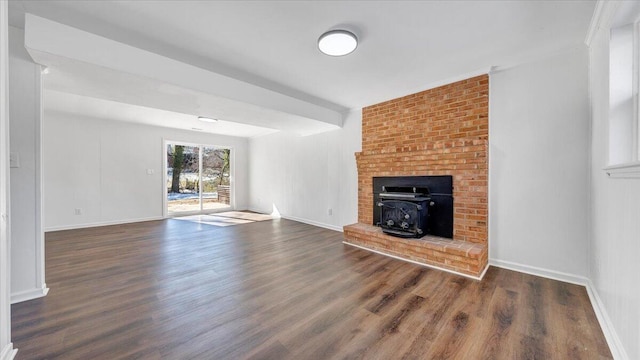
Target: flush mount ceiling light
x,y
337,42
206,119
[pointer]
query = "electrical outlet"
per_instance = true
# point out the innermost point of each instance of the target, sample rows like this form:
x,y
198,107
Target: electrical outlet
x,y
78,211
14,160
150,172
330,212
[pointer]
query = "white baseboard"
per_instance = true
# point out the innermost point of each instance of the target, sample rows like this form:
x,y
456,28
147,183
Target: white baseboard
x,y
314,223
29,294
420,263
545,273
8,353
615,345
260,211
306,221
101,223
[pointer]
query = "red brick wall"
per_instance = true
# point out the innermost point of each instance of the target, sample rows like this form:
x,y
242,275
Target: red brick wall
x,y
454,111
441,131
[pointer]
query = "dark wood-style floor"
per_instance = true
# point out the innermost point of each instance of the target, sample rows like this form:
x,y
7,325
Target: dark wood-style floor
x,y
284,290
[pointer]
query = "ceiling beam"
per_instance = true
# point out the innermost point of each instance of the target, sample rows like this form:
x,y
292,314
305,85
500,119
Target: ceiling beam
x,y
44,38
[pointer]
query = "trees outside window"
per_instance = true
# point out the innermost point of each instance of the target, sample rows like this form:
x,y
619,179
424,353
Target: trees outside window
x,y
198,177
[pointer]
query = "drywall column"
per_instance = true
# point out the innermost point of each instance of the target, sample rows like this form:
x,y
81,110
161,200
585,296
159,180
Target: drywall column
x,y
538,167
27,237
7,351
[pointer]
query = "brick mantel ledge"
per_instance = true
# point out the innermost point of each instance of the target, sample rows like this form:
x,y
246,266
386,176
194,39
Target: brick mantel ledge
x,y
455,255
443,145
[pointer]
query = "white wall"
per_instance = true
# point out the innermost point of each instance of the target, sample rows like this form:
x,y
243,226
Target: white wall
x,y
305,176
614,266
7,351
27,247
100,166
539,131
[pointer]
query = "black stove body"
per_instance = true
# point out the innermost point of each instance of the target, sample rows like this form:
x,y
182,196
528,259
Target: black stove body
x,y
404,211
414,206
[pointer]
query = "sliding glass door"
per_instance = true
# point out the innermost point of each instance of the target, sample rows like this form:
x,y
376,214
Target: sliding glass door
x,y
198,178
216,184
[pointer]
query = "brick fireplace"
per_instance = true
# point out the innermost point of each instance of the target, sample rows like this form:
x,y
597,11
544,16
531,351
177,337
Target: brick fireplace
x,y
441,131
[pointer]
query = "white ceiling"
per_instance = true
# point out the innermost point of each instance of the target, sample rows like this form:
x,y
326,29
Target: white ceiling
x,y
85,106
405,46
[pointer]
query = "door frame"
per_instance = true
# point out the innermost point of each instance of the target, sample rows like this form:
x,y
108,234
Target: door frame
x,y
165,210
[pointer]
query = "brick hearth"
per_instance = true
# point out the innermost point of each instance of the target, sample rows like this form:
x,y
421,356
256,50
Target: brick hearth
x,y
461,256
441,131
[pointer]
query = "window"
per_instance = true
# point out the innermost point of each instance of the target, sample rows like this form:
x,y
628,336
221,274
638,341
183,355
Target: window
x,y
624,102
198,178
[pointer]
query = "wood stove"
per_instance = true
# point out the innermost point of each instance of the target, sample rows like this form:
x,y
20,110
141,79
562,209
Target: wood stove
x,y
414,206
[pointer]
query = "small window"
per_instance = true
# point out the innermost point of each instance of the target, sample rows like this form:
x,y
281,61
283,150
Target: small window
x,y
624,101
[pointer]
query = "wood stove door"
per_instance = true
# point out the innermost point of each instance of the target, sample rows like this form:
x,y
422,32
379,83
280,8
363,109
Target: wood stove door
x,y
404,218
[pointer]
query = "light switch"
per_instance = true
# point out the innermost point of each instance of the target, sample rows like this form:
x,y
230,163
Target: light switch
x,y
150,171
14,160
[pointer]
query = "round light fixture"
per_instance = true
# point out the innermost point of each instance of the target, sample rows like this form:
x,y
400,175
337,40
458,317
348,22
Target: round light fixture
x,y
337,42
206,119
